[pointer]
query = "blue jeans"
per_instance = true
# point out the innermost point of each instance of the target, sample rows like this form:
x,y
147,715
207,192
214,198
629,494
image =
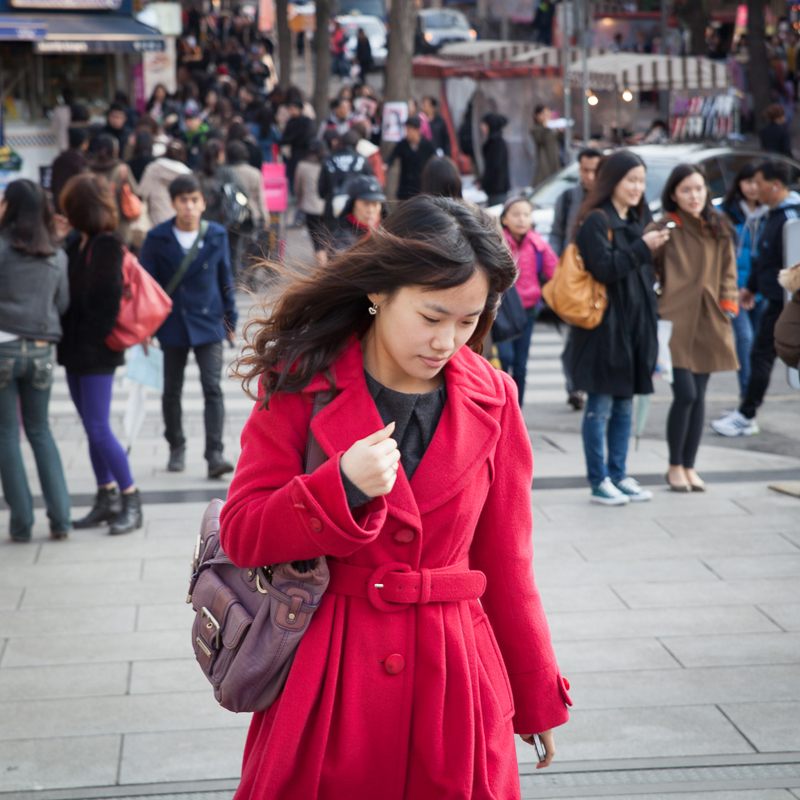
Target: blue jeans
x,y
26,373
514,356
610,417
743,337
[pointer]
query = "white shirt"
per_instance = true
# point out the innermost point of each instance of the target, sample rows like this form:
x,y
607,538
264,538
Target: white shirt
x,y
185,238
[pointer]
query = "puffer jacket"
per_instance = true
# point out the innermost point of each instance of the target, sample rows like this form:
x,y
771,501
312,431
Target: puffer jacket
x,y
527,254
154,187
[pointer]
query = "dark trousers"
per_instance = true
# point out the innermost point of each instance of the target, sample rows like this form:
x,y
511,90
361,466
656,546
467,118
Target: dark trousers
x,y
762,358
514,356
209,359
686,416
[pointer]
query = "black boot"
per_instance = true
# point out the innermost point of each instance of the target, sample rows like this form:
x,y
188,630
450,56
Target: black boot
x,y
107,505
130,517
177,460
217,465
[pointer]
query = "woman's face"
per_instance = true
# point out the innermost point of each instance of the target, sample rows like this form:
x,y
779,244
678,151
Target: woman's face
x,y
367,212
418,331
211,99
518,219
749,189
629,191
690,194
160,94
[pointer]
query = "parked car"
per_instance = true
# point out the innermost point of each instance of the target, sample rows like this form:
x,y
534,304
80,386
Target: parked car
x,y
376,33
721,165
440,26
366,8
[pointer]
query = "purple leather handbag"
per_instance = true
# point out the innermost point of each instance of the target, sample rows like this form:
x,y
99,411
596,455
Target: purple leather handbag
x,y
249,622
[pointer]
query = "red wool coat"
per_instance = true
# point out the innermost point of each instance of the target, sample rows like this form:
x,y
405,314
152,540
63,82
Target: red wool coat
x,y
421,703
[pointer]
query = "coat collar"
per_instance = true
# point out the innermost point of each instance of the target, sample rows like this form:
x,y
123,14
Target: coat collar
x,y
464,438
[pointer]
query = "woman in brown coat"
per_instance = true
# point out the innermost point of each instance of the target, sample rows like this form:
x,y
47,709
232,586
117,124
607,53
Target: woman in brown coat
x,y
697,270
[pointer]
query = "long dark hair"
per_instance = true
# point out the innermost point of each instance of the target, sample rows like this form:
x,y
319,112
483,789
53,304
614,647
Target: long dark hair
x,y
211,153
432,242
734,193
28,219
610,171
717,223
440,177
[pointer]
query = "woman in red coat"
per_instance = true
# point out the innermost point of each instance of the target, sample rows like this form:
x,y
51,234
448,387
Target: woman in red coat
x,y
406,685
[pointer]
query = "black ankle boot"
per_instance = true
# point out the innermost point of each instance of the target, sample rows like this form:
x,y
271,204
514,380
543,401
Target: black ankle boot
x,y
107,505
130,518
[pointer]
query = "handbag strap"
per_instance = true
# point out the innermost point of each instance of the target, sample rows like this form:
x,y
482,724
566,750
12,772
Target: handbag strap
x,y
315,455
187,259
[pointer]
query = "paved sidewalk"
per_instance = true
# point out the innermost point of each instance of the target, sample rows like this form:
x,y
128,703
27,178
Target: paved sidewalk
x,y
677,623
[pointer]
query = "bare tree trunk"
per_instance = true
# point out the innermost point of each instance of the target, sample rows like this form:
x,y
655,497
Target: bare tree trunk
x,y
399,69
696,16
323,51
284,43
758,67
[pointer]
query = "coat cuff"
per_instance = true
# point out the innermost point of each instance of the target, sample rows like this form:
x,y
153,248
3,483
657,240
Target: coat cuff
x,y
731,306
640,252
321,502
540,700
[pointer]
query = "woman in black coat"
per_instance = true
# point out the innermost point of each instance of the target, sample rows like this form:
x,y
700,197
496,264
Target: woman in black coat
x,y
495,181
615,360
775,136
95,270
364,54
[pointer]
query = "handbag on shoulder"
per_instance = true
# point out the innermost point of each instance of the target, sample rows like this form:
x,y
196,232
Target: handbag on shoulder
x,y
249,622
573,293
129,204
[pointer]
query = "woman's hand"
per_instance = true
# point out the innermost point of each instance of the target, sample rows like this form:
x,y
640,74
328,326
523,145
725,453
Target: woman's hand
x,y
547,741
655,239
747,300
372,463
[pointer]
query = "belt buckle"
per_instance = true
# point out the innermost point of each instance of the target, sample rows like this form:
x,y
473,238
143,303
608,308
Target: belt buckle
x,y
375,584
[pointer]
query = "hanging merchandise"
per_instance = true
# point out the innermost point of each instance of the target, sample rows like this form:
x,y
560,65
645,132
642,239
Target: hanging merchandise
x,y
702,116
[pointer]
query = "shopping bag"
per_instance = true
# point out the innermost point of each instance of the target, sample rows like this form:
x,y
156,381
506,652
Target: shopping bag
x,y
146,368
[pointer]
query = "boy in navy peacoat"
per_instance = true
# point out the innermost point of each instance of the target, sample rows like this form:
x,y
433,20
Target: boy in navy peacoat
x,y
203,315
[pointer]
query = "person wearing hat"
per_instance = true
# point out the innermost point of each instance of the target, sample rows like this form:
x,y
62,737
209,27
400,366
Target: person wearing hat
x,y
298,133
195,136
361,213
413,152
495,181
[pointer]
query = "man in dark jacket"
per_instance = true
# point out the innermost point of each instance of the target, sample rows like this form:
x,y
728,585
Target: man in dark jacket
x,y
413,152
338,169
298,133
203,315
495,181
117,125
773,187
71,162
440,134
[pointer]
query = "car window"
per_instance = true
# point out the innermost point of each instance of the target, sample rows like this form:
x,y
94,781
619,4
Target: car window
x,y
656,179
716,178
733,162
547,194
445,19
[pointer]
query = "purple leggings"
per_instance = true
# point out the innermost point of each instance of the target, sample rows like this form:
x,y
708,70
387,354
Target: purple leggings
x,y
92,397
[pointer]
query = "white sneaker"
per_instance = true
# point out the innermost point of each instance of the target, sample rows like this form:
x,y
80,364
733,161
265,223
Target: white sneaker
x,y
736,424
635,493
606,494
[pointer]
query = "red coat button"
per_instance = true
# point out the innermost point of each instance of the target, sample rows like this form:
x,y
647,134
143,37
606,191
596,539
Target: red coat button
x,y
394,664
315,524
404,536
566,683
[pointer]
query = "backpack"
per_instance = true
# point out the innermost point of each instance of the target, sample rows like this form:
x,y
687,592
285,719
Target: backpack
x,y
573,293
233,204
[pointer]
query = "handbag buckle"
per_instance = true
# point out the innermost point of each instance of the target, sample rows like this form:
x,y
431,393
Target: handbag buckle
x,y
212,623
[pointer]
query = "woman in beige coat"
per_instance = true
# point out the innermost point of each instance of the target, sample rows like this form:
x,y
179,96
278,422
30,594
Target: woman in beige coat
x,y
698,294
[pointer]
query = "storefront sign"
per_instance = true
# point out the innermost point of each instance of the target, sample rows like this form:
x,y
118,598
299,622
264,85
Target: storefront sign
x,y
21,29
69,5
98,46
160,68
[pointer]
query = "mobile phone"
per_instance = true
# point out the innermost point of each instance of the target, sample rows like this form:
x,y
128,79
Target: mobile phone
x,y
540,748
671,224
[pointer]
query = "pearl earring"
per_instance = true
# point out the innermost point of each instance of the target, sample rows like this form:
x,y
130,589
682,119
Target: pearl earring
x,y
373,309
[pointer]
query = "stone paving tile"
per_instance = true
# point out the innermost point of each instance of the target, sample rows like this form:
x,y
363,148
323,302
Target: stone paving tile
x,y
94,716
103,595
42,622
612,572
658,622
646,733
182,756
602,655
787,615
35,683
550,550
578,598
82,573
769,502
755,566
771,727
62,763
10,597
116,548
739,649
168,569
744,544
671,595
93,648
598,530
165,617
174,675
730,524
685,687
793,535
13,553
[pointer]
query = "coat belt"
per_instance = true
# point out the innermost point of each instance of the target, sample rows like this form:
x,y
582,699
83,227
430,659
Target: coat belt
x,y
394,586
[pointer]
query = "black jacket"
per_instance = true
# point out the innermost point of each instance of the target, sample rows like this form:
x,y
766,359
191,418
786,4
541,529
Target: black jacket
x,y
69,163
441,136
768,261
337,170
776,138
619,355
364,55
412,162
298,133
495,178
95,287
